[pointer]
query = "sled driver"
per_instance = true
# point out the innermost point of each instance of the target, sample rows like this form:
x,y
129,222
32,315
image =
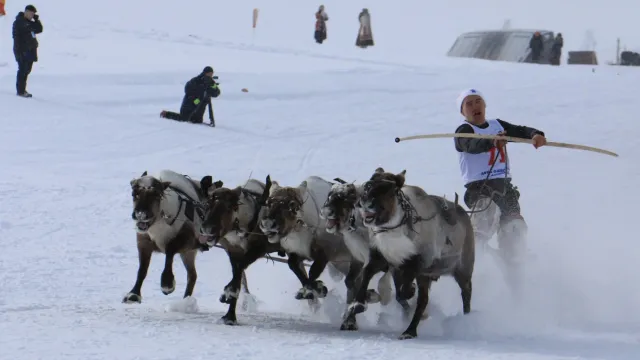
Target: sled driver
x,y
489,191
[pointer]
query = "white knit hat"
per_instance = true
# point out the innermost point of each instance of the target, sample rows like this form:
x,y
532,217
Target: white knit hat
x,y
466,93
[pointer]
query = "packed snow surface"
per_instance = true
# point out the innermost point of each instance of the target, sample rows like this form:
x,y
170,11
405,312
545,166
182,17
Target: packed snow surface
x,y
107,69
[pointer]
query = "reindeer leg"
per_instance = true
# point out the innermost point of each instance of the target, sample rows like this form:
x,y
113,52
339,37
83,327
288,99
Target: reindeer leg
x,y
403,278
424,284
296,266
316,288
464,281
244,284
232,290
145,250
189,260
376,264
353,279
404,291
239,263
167,280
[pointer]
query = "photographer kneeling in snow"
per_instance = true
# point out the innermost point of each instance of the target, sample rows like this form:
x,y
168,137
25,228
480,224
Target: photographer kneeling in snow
x,y
197,95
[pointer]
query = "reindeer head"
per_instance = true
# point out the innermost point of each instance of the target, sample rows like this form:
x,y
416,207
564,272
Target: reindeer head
x,y
379,200
283,205
221,205
339,206
147,193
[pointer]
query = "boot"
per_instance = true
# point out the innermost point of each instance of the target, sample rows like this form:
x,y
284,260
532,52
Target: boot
x,y
512,243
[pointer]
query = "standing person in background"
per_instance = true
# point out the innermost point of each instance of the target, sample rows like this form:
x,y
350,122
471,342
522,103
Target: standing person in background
x,y
536,45
365,35
321,25
25,45
556,50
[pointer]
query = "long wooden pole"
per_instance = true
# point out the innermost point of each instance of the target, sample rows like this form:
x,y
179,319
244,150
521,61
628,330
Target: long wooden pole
x,y
508,138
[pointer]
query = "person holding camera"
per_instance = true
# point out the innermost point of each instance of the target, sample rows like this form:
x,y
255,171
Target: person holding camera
x,y
25,45
197,95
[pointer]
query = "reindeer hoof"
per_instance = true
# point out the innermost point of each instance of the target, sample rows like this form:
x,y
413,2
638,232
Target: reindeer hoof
x,y
357,308
323,291
349,326
301,294
373,297
407,335
229,320
319,289
169,289
131,298
228,296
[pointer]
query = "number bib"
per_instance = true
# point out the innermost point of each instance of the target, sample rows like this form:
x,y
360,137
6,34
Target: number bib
x,y
474,167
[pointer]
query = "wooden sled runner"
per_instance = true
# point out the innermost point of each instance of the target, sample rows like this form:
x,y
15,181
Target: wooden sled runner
x,y
508,138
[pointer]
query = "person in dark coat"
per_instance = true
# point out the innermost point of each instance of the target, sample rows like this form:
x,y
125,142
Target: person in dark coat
x,y
197,95
321,25
25,45
556,50
536,45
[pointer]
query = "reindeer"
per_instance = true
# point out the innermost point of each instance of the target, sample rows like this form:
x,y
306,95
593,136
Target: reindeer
x,y
165,211
341,216
425,236
293,221
229,220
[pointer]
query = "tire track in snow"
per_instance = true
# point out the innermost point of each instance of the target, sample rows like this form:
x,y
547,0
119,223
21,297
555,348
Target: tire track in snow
x,y
198,40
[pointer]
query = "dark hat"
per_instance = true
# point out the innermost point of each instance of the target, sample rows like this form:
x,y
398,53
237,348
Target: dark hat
x,y
30,8
207,69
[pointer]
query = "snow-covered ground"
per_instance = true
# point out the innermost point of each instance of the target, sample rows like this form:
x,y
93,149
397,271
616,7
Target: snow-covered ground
x,y
67,156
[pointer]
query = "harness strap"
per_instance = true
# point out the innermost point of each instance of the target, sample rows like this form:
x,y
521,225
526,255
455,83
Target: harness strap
x,y
410,216
191,205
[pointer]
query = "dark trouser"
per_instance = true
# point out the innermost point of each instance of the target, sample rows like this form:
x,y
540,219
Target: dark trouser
x,y
500,190
189,113
320,35
193,113
24,69
535,56
173,116
497,195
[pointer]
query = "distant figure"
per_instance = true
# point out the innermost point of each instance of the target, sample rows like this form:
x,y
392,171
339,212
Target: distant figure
x,y
25,46
321,25
556,50
197,95
365,35
536,45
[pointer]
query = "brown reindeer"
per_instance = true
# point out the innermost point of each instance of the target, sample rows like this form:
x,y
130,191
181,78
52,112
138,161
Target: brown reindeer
x,y
230,221
165,211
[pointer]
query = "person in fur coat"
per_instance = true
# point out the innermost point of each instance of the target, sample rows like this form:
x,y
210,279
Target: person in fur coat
x,y
321,25
365,35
